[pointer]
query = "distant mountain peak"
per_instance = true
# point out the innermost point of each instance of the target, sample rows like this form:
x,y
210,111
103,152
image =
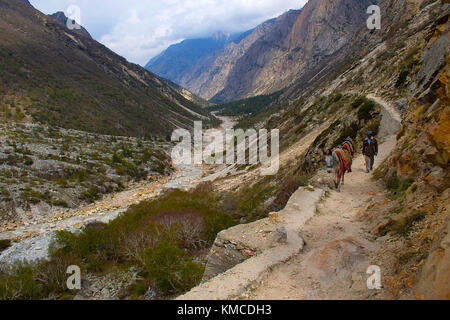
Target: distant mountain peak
x,y
62,18
179,58
221,35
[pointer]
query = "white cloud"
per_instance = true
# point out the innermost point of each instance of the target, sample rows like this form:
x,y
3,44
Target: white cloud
x,y
139,29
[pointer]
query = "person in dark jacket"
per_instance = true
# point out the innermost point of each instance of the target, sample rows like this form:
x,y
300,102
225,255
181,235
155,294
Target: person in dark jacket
x,y
370,150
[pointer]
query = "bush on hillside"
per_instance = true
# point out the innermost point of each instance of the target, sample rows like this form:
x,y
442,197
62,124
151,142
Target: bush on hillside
x,y
171,268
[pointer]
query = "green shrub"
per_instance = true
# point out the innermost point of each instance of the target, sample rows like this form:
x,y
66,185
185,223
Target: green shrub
x,y
116,158
301,128
406,183
4,244
62,182
91,195
214,223
285,191
348,132
94,246
60,203
34,196
20,284
140,288
5,193
398,186
364,112
27,161
172,269
358,102
38,280
337,97
392,183
402,78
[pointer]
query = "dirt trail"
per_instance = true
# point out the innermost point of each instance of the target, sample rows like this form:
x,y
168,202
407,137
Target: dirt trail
x,y
338,249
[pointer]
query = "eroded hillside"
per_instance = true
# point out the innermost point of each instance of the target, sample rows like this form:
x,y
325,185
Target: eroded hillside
x,y
59,77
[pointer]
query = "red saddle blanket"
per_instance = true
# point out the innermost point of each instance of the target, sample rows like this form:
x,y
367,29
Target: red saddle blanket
x,y
345,159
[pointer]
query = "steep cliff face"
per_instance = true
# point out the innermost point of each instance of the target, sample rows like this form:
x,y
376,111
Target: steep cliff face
x,y
210,75
320,29
258,64
276,52
423,156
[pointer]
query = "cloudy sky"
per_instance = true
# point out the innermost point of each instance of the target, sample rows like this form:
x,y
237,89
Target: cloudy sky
x,y
140,29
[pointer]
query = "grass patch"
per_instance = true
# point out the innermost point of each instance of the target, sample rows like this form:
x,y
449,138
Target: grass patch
x,y
403,225
397,186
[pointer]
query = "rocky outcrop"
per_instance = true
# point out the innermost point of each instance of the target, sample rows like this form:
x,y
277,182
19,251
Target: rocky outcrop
x,y
439,136
224,255
434,282
336,260
61,18
420,162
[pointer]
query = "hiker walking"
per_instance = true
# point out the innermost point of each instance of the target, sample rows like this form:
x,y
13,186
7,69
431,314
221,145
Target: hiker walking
x,y
370,150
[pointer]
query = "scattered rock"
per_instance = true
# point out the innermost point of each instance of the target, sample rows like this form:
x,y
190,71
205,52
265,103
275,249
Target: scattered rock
x,y
336,260
281,235
438,179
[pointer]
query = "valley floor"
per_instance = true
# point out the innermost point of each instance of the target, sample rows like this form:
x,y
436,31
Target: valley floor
x,y
33,239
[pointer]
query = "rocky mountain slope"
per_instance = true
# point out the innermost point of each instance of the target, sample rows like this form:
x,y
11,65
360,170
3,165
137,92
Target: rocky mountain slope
x,y
56,76
46,170
274,53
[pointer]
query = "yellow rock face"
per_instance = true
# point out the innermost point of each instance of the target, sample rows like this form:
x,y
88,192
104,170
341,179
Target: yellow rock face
x,y
273,216
439,136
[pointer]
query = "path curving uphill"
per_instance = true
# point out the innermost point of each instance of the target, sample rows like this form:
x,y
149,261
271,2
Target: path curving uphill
x,y
333,263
